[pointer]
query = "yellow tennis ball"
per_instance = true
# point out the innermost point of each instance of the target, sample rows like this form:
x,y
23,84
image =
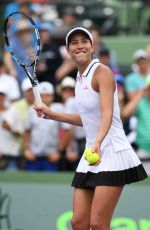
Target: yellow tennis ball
x,y
87,152
93,158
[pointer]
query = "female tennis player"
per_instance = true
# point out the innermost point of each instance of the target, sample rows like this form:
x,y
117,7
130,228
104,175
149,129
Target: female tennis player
x,y
97,187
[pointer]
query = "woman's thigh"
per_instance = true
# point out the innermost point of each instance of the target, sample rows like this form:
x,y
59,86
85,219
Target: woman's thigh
x,y
104,202
82,201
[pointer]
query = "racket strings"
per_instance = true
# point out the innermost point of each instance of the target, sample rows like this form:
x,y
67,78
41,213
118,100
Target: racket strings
x,y
22,39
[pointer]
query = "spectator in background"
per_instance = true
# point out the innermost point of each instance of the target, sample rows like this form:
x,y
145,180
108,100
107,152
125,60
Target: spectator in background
x,y
148,54
139,106
50,57
3,107
69,17
53,64
9,133
68,20
18,5
121,91
21,107
41,139
25,6
133,83
99,47
68,66
105,58
9,84
17,113
136,80
74,137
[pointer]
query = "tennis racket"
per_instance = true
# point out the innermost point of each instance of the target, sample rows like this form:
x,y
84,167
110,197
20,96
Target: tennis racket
x,y
23,42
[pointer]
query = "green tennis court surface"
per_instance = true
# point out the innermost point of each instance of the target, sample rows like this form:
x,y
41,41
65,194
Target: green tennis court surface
x,y
43,201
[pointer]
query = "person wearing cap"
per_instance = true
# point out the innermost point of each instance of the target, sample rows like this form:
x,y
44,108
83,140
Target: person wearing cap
x,y
22,106
9,83
73,142
18,110
41,138
9,134
97,187
16,116
66,88
136,79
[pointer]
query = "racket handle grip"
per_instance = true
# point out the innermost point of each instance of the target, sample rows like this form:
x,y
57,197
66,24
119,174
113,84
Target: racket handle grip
x,y
37,96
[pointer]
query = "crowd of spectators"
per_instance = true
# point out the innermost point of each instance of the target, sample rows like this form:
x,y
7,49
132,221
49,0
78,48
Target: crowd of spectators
x,y
35,144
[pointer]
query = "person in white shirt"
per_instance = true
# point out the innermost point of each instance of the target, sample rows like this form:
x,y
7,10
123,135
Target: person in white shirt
x,y
9,145
15,118
41,139
99,186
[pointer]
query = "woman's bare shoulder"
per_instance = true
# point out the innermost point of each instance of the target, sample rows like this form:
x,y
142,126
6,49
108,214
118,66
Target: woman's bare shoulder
x,y
103,78
104,73
103,69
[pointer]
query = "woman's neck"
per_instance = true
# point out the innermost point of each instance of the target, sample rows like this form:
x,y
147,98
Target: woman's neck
x,y
82,67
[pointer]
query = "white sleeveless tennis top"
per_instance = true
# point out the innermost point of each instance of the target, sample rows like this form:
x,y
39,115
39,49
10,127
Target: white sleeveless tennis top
x,y
88,101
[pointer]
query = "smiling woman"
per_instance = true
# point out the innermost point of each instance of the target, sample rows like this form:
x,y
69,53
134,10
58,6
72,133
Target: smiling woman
x,y
97,187
79,43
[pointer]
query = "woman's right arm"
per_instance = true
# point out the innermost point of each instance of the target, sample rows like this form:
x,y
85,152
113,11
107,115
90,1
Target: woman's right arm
x,y
47,113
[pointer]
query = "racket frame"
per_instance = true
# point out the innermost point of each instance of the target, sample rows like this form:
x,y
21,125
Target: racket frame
x,y
34,81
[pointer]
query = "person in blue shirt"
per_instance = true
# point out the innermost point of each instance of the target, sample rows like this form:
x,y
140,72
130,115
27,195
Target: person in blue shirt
x,y
136,80
23,5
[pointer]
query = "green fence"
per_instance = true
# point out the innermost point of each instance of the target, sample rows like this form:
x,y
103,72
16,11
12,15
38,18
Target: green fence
x,y
125,46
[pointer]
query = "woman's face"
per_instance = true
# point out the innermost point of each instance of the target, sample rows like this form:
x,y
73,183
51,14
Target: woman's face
x,y
80,48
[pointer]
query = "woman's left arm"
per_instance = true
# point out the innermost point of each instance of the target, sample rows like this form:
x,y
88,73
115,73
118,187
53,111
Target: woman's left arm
x,y
105,85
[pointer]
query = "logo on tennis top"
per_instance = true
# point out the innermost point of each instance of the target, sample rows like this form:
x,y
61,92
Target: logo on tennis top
x,y
85,87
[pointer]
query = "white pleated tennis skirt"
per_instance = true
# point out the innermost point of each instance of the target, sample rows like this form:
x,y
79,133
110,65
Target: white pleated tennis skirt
x,y
115,169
